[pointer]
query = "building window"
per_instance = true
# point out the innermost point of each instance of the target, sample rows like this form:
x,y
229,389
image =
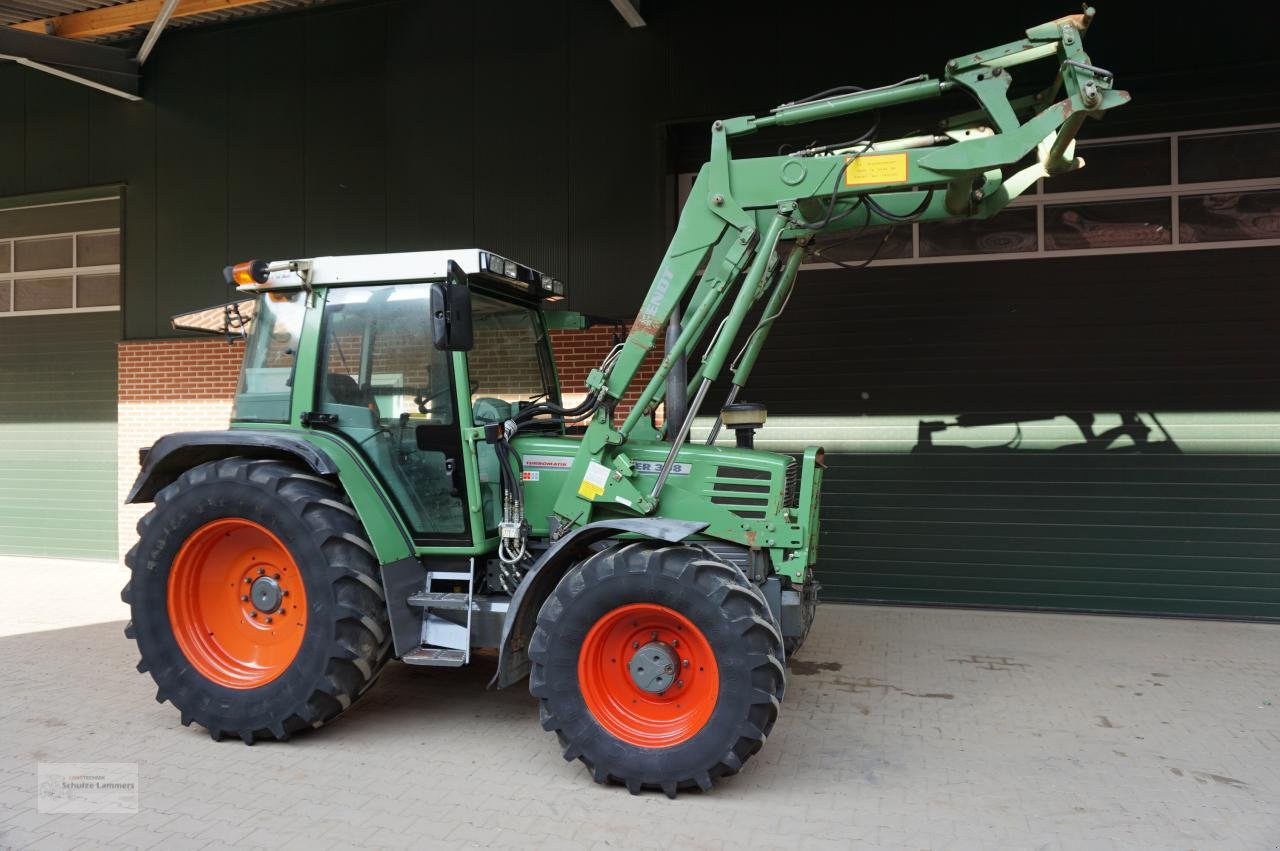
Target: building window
x,y
60,273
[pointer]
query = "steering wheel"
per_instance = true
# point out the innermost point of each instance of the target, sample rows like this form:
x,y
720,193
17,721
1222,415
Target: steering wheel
x,y
423,401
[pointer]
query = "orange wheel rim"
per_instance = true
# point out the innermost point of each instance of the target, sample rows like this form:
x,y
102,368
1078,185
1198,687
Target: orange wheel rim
x,y
236,603
648,675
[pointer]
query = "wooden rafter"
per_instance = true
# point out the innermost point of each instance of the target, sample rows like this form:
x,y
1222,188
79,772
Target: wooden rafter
x,y
112,19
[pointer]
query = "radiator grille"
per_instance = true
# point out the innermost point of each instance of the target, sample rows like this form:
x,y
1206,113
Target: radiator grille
x,y
791,491
743,491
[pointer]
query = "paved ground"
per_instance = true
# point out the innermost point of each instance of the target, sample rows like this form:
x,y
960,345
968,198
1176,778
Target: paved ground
x,y
903,728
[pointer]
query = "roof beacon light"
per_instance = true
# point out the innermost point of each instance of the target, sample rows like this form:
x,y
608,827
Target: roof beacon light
x,y
246,273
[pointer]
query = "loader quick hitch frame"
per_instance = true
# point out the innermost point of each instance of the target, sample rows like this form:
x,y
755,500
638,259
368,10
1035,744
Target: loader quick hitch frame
x,y
748,224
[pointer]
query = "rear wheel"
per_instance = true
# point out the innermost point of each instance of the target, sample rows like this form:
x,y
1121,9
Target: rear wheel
x,y
255,599
657,666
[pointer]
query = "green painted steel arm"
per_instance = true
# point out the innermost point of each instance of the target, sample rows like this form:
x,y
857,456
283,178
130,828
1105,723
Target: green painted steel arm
x,y
740,212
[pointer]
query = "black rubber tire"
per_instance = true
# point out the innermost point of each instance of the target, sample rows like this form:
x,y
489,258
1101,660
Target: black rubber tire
x,y
718,599
347,638
808,611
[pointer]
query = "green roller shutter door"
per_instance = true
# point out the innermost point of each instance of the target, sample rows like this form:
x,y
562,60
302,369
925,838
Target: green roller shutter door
x,y
955,404
58,435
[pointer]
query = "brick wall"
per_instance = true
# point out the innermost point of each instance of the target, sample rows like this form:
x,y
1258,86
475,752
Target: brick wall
x,y
167,386
578,352
188,385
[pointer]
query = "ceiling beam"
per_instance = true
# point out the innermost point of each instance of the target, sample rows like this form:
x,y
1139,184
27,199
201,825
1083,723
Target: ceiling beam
x,y
108,69
157,27
630,12
125,16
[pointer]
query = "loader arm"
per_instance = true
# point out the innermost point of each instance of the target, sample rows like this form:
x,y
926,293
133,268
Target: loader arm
x,y
748,222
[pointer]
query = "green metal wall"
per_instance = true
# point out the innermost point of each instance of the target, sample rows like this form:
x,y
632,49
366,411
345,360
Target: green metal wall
x,y
1027,514
536,129
58,435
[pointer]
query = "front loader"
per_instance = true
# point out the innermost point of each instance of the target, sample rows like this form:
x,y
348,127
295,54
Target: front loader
x,y
403,477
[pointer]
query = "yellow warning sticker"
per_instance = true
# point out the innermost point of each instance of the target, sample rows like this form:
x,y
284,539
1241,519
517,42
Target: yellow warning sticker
x,y
594,481
875,168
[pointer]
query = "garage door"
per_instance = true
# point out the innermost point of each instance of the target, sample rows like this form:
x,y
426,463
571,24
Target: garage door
x,y
1089,433
59,323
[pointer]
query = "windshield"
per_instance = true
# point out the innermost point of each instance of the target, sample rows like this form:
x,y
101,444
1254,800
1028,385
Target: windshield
x,y
510,358
266,374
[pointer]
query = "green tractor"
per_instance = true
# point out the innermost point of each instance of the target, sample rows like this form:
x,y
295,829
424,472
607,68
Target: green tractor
x,y
404,478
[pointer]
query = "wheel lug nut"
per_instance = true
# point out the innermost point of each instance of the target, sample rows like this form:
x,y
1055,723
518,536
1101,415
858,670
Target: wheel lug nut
x,y
247,580
685,663
244,598
275,576
284,593
253,614
653,636
675,642
268,619
262,572
679,683
281,612
635,645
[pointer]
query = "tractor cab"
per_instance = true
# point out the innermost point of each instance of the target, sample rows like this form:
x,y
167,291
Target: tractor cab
x,y
402,354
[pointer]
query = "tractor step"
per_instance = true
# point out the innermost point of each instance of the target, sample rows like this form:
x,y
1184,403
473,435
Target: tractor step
x,y
439,657
440,600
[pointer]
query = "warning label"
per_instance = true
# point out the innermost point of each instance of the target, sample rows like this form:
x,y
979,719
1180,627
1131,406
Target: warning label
x,y
594,481
875,168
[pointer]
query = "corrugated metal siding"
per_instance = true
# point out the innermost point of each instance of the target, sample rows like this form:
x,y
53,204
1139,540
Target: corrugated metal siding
x,y
58,435
1185,520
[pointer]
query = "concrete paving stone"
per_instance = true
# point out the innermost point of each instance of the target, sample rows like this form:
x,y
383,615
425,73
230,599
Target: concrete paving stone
x,y
140,838
20,838
1057,732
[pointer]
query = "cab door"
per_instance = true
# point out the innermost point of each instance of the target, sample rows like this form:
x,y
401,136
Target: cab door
x,y
393,395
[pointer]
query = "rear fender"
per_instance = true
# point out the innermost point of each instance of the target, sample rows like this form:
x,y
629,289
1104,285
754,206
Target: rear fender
x,y
326,456
174,454
550,568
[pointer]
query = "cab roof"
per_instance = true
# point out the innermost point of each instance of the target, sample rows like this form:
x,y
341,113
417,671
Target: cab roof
x,y
255,276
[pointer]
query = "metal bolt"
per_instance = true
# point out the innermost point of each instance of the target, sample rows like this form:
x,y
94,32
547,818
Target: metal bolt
x,y
253,614
719,125
978,195
679,683
284,593
635,645
268,619
247,580
675,642
717,199
244,598
685,663
262,572
953,65
653,636
275,576
997,72
282,611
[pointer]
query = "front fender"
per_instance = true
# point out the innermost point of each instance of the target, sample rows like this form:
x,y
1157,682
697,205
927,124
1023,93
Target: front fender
x,y
550,568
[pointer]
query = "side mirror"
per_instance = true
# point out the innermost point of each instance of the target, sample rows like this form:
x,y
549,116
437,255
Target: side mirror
x,y
451,312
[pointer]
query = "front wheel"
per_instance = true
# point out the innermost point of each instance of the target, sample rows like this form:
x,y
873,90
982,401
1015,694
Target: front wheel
x,y
657,666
